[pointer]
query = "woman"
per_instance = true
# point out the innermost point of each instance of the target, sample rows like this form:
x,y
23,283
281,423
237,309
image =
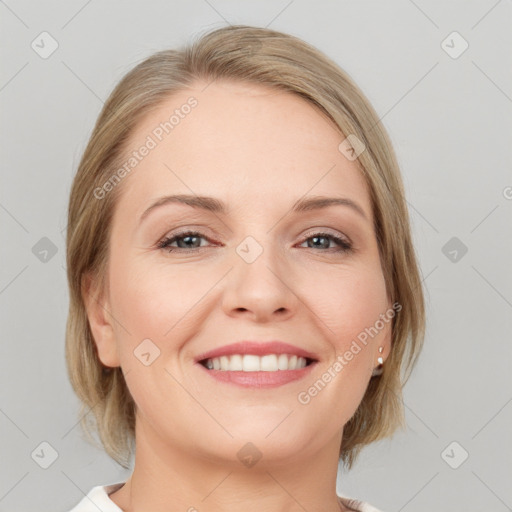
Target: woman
x,y
244,292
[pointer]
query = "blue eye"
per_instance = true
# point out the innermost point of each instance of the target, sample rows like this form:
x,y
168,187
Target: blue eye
x,y
189,238
343,245
190,241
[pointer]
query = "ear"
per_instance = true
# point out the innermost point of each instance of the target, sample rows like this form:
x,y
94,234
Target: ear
x,y
385,343
386,340
98,310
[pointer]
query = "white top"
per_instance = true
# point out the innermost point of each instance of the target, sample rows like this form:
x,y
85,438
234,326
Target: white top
x,y
98,499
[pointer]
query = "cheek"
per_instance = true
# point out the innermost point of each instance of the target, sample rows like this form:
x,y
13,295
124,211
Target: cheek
x,y
152,302
349,302
156,301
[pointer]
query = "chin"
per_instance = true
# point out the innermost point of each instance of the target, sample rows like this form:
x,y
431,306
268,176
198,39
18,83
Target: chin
x,y
265,442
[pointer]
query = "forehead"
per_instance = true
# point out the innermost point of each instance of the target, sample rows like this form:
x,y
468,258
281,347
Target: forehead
x,y
245,144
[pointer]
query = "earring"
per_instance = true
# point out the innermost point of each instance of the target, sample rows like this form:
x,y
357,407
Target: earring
x,y
379,368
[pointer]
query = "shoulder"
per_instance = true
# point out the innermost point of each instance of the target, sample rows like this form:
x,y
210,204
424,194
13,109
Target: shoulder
x,y
97,499
357,505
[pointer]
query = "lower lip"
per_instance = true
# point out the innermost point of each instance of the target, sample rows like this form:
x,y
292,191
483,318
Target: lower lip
x,y
259,379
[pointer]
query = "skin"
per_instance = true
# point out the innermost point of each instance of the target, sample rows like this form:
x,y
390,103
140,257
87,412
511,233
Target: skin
x,y
259,150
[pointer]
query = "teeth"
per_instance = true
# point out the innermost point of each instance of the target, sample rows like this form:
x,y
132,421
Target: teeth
x,y
282,362
268,363
252,363
235,364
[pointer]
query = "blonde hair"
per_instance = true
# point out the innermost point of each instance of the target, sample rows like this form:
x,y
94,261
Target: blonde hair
x,y
273,59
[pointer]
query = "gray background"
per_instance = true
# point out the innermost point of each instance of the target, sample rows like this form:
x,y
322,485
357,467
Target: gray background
x,y
449,117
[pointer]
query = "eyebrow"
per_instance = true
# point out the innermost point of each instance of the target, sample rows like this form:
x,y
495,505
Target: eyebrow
x,y
214,205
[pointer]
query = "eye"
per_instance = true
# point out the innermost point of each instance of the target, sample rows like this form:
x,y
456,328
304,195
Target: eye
x,y
322,241
186,241
189,241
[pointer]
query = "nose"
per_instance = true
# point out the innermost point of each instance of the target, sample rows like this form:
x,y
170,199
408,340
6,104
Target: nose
x,y
262,291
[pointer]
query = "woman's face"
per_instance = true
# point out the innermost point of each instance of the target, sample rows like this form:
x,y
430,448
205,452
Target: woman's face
x,y
256,270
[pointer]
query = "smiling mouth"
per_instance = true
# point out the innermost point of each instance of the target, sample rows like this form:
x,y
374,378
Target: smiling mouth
x,y
254,363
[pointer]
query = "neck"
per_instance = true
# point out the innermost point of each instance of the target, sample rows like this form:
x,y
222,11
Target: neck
x,y
172,477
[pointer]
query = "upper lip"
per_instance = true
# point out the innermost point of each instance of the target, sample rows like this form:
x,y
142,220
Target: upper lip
x,y
258,348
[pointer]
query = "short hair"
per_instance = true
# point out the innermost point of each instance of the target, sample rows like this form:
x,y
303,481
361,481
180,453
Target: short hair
x,y
272,59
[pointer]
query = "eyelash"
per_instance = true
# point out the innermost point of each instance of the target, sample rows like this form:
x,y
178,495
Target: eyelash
x,y
344,246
